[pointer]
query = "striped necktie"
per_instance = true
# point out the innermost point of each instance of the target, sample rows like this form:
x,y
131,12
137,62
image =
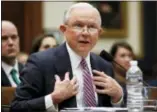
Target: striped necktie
x,y
14,76
88,90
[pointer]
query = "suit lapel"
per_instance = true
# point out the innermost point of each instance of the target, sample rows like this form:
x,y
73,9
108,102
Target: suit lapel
x,y
5,80
95,65
63,65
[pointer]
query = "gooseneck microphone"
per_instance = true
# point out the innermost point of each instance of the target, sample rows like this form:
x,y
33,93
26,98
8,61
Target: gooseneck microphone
x,y
105,55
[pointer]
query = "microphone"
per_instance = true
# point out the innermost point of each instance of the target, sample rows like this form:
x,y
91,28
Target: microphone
x,y
105,55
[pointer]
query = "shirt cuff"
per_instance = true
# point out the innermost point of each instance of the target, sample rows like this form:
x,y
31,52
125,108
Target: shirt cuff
x,y
49,104
119,103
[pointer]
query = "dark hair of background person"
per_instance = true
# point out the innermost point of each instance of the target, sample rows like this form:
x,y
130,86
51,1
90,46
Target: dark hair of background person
x,y
38,41
125,45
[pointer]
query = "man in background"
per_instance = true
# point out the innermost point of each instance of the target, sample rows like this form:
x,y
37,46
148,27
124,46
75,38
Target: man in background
x,y
69,75
10,48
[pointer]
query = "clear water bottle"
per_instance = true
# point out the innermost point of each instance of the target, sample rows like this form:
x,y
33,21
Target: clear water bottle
x,y
134,77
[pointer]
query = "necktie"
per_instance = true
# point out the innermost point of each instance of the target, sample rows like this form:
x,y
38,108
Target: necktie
x,y
14,77
88,94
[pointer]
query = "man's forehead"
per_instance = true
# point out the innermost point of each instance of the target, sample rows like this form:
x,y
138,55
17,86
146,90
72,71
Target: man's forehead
x,y
86,21
87,15
84,9
7,24
9,31
84,13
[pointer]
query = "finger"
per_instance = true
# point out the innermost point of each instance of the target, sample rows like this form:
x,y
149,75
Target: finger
x,y
107,91
98,78
100,73
102,91
101,84
75,87
73,80
75,92
57,78
66,76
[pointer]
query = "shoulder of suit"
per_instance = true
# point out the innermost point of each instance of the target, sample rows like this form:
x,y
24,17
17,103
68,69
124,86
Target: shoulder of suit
x,y
50,54
99,59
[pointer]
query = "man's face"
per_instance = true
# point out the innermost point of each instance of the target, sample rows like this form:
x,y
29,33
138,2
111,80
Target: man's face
x,y
10,41
123,56
82,30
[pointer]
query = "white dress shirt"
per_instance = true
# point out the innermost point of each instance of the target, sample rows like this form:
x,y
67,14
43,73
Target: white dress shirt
x,y
75,60
7,69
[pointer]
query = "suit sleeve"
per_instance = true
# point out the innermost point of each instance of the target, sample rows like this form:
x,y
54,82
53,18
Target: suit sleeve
x,y
29,95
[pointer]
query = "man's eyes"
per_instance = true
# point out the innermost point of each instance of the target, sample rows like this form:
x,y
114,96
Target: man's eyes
x,y
81,26
14,37
91,26
7,37
77,25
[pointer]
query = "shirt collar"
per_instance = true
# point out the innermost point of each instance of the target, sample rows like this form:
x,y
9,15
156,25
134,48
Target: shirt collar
x,y
7,68
75,58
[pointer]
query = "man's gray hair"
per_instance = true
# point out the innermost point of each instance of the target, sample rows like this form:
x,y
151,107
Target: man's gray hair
x,y
79,5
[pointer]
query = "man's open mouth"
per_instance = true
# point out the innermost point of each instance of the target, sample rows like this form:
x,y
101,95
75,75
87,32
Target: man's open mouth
x,y
84,42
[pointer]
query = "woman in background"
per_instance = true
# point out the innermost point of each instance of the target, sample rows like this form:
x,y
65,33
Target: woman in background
x,y
43,42
122,53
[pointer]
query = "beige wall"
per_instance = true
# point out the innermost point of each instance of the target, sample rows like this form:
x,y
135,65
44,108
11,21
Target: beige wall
x,y
53,15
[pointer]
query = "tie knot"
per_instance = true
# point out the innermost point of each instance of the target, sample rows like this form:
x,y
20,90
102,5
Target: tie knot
x,y
83,63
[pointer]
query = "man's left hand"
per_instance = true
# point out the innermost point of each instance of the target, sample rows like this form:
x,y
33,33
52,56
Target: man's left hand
x,y
109,86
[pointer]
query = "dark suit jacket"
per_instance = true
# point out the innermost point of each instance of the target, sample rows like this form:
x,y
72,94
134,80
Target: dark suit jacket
x,y
4,78
38,78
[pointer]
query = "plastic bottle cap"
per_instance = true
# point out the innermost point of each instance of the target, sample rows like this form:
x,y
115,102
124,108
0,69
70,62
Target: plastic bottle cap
x,y
134,63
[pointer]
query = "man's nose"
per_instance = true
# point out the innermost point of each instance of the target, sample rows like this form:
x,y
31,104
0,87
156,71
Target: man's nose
x,y
10,40
85,30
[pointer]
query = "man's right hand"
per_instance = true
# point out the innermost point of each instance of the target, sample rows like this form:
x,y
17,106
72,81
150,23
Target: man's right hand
x,y
64,89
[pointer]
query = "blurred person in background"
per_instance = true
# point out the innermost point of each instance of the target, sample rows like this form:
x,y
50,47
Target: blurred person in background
x,y
22,57
10,48
43,42
122,53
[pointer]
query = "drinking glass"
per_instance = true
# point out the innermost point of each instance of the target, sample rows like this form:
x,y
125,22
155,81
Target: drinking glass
x,y
150,98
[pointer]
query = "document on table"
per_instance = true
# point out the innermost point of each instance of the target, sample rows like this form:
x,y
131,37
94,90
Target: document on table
x,y
97,109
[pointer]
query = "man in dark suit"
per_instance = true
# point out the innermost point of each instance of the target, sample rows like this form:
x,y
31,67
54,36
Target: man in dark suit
x,y
10,49
69,75
6,82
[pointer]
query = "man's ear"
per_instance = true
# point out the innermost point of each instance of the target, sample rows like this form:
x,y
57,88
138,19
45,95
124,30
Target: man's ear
x,y
62,28
101,31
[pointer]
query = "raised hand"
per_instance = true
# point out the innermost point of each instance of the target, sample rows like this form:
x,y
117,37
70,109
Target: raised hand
x,y
108,86
64,89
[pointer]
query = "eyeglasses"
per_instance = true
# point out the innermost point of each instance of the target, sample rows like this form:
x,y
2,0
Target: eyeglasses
x,y
81,28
